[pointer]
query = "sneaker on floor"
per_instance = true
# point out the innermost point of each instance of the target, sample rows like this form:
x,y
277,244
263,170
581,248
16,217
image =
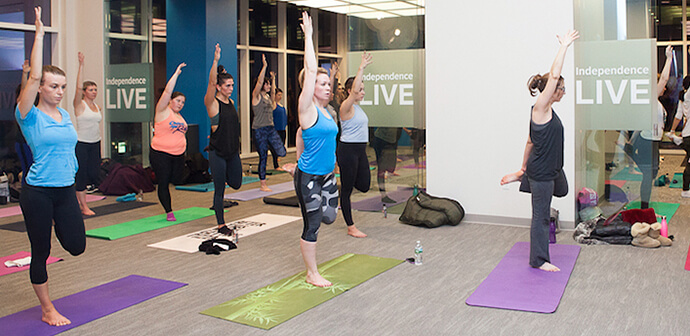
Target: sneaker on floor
x,y
171,217
685,193
225,230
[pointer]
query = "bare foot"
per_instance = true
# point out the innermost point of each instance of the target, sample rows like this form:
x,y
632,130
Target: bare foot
x,y
290,168
514,177
353,231
87,212
317,280
52,317
264,186
549,267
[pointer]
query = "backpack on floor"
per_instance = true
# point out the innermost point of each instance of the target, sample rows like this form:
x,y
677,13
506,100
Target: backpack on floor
x,y
430,211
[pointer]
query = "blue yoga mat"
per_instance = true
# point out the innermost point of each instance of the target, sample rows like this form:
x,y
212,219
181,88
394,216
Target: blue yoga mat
x,y
204,187
515,285
251,194
89,305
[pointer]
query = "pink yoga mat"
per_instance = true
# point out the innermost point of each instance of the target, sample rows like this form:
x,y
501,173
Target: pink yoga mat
x,y
16,210
4,270
617,183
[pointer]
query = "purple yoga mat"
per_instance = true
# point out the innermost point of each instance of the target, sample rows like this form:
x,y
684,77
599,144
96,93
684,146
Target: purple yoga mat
x,y
251,194
374,203
4,270
16,210
515,285
89,305
414,166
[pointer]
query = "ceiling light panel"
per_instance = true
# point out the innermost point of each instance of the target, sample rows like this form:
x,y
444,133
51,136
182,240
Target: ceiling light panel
x,y
319,3
408,12
348,9
365,2
374,15
391,5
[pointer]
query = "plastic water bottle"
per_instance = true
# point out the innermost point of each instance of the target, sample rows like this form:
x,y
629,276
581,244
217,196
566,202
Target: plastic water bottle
x,y
140,195
552,231
664,227
418,249
385,211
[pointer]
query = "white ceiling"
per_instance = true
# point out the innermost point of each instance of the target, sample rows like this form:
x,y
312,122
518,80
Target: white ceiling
x,y
367,9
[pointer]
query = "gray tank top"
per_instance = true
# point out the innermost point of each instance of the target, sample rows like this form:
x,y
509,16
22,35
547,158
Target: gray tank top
x,y
263,113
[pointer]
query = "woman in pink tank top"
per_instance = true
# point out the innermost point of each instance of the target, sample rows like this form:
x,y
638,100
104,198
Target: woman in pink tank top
x,y
169,143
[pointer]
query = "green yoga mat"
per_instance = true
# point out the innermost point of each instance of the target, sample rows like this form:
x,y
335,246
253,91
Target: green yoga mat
x,y
204,187
274,304
678,177
661,208
624,175
127,229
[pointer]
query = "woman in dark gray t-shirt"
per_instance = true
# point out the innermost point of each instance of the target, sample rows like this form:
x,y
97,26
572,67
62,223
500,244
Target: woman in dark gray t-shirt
x,y
543,157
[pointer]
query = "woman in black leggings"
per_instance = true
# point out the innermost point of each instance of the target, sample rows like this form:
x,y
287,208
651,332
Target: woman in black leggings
x,y
224,153
169,142
48,195
351,151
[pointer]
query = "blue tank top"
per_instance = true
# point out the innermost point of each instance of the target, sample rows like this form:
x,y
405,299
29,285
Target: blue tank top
x,y
318,157
280,118
52,144
356,129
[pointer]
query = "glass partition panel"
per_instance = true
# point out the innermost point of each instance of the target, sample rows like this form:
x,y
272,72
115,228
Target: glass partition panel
x,y
23,11
263,19
394,96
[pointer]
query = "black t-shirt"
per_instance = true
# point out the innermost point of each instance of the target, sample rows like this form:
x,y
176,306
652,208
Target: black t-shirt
x,y
546,159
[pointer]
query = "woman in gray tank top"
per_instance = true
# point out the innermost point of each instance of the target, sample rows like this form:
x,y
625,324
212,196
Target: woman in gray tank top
x,y
541,162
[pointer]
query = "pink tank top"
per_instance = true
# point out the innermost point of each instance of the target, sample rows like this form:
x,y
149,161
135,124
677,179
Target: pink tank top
x,y
169,135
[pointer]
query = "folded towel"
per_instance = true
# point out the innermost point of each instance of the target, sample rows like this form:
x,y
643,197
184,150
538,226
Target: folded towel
x,y
19,262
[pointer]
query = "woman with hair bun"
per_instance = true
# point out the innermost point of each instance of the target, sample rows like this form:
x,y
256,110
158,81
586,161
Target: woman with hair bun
x,y
224,144
169,142
543,157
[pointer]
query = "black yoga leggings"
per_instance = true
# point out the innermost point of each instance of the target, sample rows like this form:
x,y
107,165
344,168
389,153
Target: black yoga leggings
x,y
168,168
89,159
224,171
40,207
354,173
645,153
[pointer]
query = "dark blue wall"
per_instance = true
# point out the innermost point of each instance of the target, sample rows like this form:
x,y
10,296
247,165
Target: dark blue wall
x,y
193,29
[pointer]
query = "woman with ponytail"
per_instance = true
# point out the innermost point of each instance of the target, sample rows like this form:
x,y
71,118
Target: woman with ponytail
x,y
543,157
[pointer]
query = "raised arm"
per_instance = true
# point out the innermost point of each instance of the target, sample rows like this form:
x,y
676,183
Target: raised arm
x,y
346,110
541,106
335,71
272,93
79,90
169,88
306,111
210,96
665,73
29,92
256,93
26,68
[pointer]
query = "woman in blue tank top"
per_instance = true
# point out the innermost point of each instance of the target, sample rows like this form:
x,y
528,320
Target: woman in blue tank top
x,y
48,196
315,182
543,156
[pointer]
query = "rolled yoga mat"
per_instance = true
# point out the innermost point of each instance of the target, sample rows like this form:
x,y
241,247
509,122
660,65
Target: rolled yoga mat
x,y
292,201
131,228
89,305
19,255
16,210
205,187
687,261
99,210
252,194
515,285
274,304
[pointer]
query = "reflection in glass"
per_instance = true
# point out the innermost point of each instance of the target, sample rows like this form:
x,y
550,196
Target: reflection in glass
x,y
328,33
263,19
125,16
668,16
23,11
125,51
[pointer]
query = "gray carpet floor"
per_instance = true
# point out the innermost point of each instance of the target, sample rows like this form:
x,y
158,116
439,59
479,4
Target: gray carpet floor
x,y
614,290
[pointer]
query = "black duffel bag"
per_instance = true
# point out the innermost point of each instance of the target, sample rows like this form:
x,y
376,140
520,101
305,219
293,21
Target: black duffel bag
x,y
430,211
